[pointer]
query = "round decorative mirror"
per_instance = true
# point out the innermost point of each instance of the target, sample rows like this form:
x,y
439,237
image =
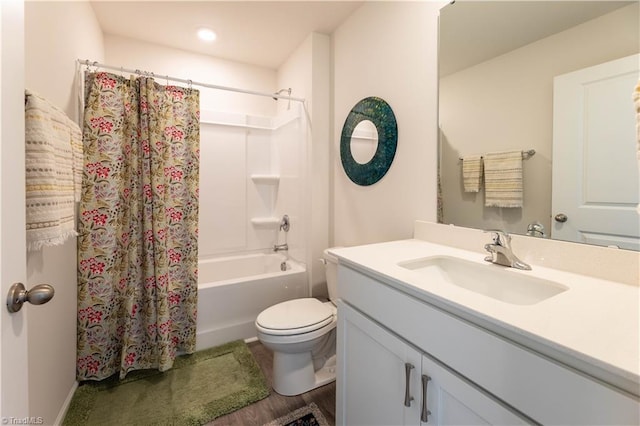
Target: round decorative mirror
x,y
369,140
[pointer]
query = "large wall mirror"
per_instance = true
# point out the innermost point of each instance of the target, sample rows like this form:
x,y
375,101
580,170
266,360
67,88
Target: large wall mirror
x,y
500,64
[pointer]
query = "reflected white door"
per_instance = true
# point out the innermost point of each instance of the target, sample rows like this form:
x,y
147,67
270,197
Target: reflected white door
x,y
595,168
14,404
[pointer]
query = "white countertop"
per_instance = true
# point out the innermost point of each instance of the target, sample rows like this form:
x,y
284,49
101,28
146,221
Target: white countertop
x,y
593,327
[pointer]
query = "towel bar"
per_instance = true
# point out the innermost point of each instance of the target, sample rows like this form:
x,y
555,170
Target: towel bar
x,y
525,154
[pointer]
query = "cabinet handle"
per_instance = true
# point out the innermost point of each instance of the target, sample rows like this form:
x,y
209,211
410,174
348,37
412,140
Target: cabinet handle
x,y
424,414
407,370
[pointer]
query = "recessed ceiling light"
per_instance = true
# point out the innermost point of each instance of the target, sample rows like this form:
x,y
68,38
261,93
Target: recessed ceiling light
x,y
206,34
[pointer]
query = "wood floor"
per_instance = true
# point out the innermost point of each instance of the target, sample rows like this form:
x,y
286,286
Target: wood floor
x,y
276,405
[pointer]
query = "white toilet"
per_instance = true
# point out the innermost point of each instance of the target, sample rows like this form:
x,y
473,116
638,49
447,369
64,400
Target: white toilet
x,y
302,335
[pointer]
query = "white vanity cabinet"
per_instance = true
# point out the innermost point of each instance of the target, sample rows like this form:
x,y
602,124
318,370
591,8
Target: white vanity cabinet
x,y
477,376
385,381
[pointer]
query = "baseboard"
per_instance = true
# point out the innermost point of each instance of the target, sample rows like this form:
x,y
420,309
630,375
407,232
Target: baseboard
x,y
65,405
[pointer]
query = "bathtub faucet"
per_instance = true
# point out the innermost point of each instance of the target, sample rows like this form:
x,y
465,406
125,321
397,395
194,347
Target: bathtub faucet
x,y
280,247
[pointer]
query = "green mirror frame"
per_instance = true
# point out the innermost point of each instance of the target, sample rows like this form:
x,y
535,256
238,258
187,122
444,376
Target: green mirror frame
x,y
381,115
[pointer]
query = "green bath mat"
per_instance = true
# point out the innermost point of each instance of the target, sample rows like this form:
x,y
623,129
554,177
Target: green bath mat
x,y
198,389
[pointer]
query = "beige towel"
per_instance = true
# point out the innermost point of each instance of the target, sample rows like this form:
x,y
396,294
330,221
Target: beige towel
x,y
472,173
636,100
503,179
53,160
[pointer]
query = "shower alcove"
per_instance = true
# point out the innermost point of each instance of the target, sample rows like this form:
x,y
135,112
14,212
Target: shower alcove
x,y
252,172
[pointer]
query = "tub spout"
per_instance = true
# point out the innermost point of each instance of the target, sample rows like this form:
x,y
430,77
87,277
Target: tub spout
x,y
280,247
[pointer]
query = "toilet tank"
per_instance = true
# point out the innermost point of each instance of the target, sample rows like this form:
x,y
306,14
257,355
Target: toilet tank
x,y
331,273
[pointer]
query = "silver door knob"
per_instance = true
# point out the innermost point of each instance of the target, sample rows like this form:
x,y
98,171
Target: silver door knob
x,y
561,217
18,294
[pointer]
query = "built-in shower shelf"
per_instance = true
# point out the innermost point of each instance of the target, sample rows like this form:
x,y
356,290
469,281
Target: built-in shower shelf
x,y
266,222
265,179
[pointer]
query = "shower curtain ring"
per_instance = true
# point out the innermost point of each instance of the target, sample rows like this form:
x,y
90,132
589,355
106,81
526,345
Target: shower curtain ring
x,y
89,64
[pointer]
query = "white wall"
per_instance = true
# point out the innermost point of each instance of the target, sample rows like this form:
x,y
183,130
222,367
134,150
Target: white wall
x,y
134,54
307,73
56,34
511,108
389,50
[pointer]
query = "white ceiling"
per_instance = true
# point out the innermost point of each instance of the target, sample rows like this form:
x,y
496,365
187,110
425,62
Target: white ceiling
x,y
261,33
265,33
474,31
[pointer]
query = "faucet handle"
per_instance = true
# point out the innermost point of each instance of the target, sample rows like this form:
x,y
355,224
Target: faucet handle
x,y
285,224
500,237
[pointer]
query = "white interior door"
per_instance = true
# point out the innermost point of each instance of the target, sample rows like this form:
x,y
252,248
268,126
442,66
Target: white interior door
x,y
595,168
14,405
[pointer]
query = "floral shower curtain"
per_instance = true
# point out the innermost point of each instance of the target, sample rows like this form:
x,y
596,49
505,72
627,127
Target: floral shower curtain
x,y
137,249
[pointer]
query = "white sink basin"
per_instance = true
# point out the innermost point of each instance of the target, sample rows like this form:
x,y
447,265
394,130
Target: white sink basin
x,y
488,279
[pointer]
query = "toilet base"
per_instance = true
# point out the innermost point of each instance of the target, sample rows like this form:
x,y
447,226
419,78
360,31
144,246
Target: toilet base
x,y
293,374
327,373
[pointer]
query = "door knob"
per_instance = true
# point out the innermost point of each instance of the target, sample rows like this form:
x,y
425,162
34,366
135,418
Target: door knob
x,y
18,294
561,217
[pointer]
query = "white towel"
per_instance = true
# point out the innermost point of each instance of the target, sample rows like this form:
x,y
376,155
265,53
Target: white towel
x,y
503,179
472,173
53,160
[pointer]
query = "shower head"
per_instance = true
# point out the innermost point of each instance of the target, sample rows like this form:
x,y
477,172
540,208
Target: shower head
x,y
288,91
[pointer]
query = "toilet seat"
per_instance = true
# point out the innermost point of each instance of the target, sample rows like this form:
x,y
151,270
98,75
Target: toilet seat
x,y
296,316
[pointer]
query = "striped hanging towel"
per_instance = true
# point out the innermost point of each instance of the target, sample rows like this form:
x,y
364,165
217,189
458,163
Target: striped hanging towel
x,y
53,175
503,179
472,173
636,100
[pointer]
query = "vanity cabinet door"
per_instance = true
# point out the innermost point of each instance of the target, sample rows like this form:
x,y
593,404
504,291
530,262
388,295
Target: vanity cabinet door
x,y
383,380
452,400
371,374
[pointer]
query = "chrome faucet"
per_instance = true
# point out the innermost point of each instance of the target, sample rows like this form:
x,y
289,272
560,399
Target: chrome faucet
x,y
280,247
535,229
284,226
501,253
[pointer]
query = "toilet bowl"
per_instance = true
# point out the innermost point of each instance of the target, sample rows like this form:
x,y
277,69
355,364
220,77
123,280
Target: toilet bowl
x,y
302,335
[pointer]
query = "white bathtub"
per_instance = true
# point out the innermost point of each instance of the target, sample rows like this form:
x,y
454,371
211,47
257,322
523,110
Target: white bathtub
x,y
232,291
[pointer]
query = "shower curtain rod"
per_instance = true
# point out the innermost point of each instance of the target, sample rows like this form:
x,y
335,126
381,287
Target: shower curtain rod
x,y
95,64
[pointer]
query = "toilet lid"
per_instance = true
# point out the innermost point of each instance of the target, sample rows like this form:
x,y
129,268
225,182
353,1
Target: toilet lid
x,y
308,314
